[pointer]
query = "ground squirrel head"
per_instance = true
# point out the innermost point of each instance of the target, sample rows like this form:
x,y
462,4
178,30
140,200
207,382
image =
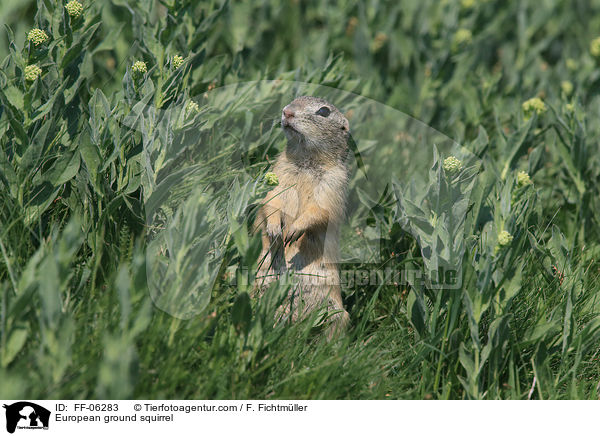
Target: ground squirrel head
x,y
315,124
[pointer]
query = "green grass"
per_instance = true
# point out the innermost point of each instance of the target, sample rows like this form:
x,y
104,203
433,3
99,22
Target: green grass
x,y
96,180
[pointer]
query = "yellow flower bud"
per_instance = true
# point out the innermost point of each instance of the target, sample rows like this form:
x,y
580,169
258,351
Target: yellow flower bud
x,y
177,61
271,179
567,87
523,179
191,108
32,72
533,105
462,36
37,36
139,68
452,165
595,47
504,238
74,9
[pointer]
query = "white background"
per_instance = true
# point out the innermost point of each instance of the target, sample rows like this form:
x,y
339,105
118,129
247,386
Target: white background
x,y
337,417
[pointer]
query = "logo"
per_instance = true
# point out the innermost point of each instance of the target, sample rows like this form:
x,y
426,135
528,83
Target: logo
x,y
26,415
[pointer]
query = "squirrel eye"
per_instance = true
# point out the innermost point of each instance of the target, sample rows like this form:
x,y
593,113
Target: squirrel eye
x,y
324,111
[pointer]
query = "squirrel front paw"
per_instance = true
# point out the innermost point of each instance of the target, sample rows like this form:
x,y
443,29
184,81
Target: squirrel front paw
x,y
293,234
273,227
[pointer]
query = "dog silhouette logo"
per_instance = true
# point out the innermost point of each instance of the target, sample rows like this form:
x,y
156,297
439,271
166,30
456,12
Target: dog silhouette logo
x,y
26,415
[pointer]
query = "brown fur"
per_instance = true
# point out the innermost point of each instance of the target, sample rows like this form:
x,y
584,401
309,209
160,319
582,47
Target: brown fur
x,y
301,217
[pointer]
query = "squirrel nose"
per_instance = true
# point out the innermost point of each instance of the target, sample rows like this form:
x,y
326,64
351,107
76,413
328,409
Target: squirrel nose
x,y
288,113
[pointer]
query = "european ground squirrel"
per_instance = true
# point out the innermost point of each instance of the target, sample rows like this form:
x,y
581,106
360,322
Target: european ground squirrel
x,y
300,218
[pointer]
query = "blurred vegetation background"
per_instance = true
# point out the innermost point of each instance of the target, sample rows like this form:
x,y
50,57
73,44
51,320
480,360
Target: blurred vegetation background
x,y
81,164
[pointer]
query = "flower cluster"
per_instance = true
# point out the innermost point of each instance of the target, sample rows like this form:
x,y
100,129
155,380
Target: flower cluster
x,y
139,68
191,108
571,64
523,179
523,183
177,61
452,165
32,72
595,47
462,36
74,9
433,219
532,105
271,179
504,238
37,37
567,87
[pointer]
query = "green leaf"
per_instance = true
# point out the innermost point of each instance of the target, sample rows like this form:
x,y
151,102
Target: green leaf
x,y
354,148
512,286
109,42
91,157
15,119
541,331
73,52
45,109
33,153
464,356
480,145
44,195
518,145
567,160
416,311
14,344
64,169
241,313
14,96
